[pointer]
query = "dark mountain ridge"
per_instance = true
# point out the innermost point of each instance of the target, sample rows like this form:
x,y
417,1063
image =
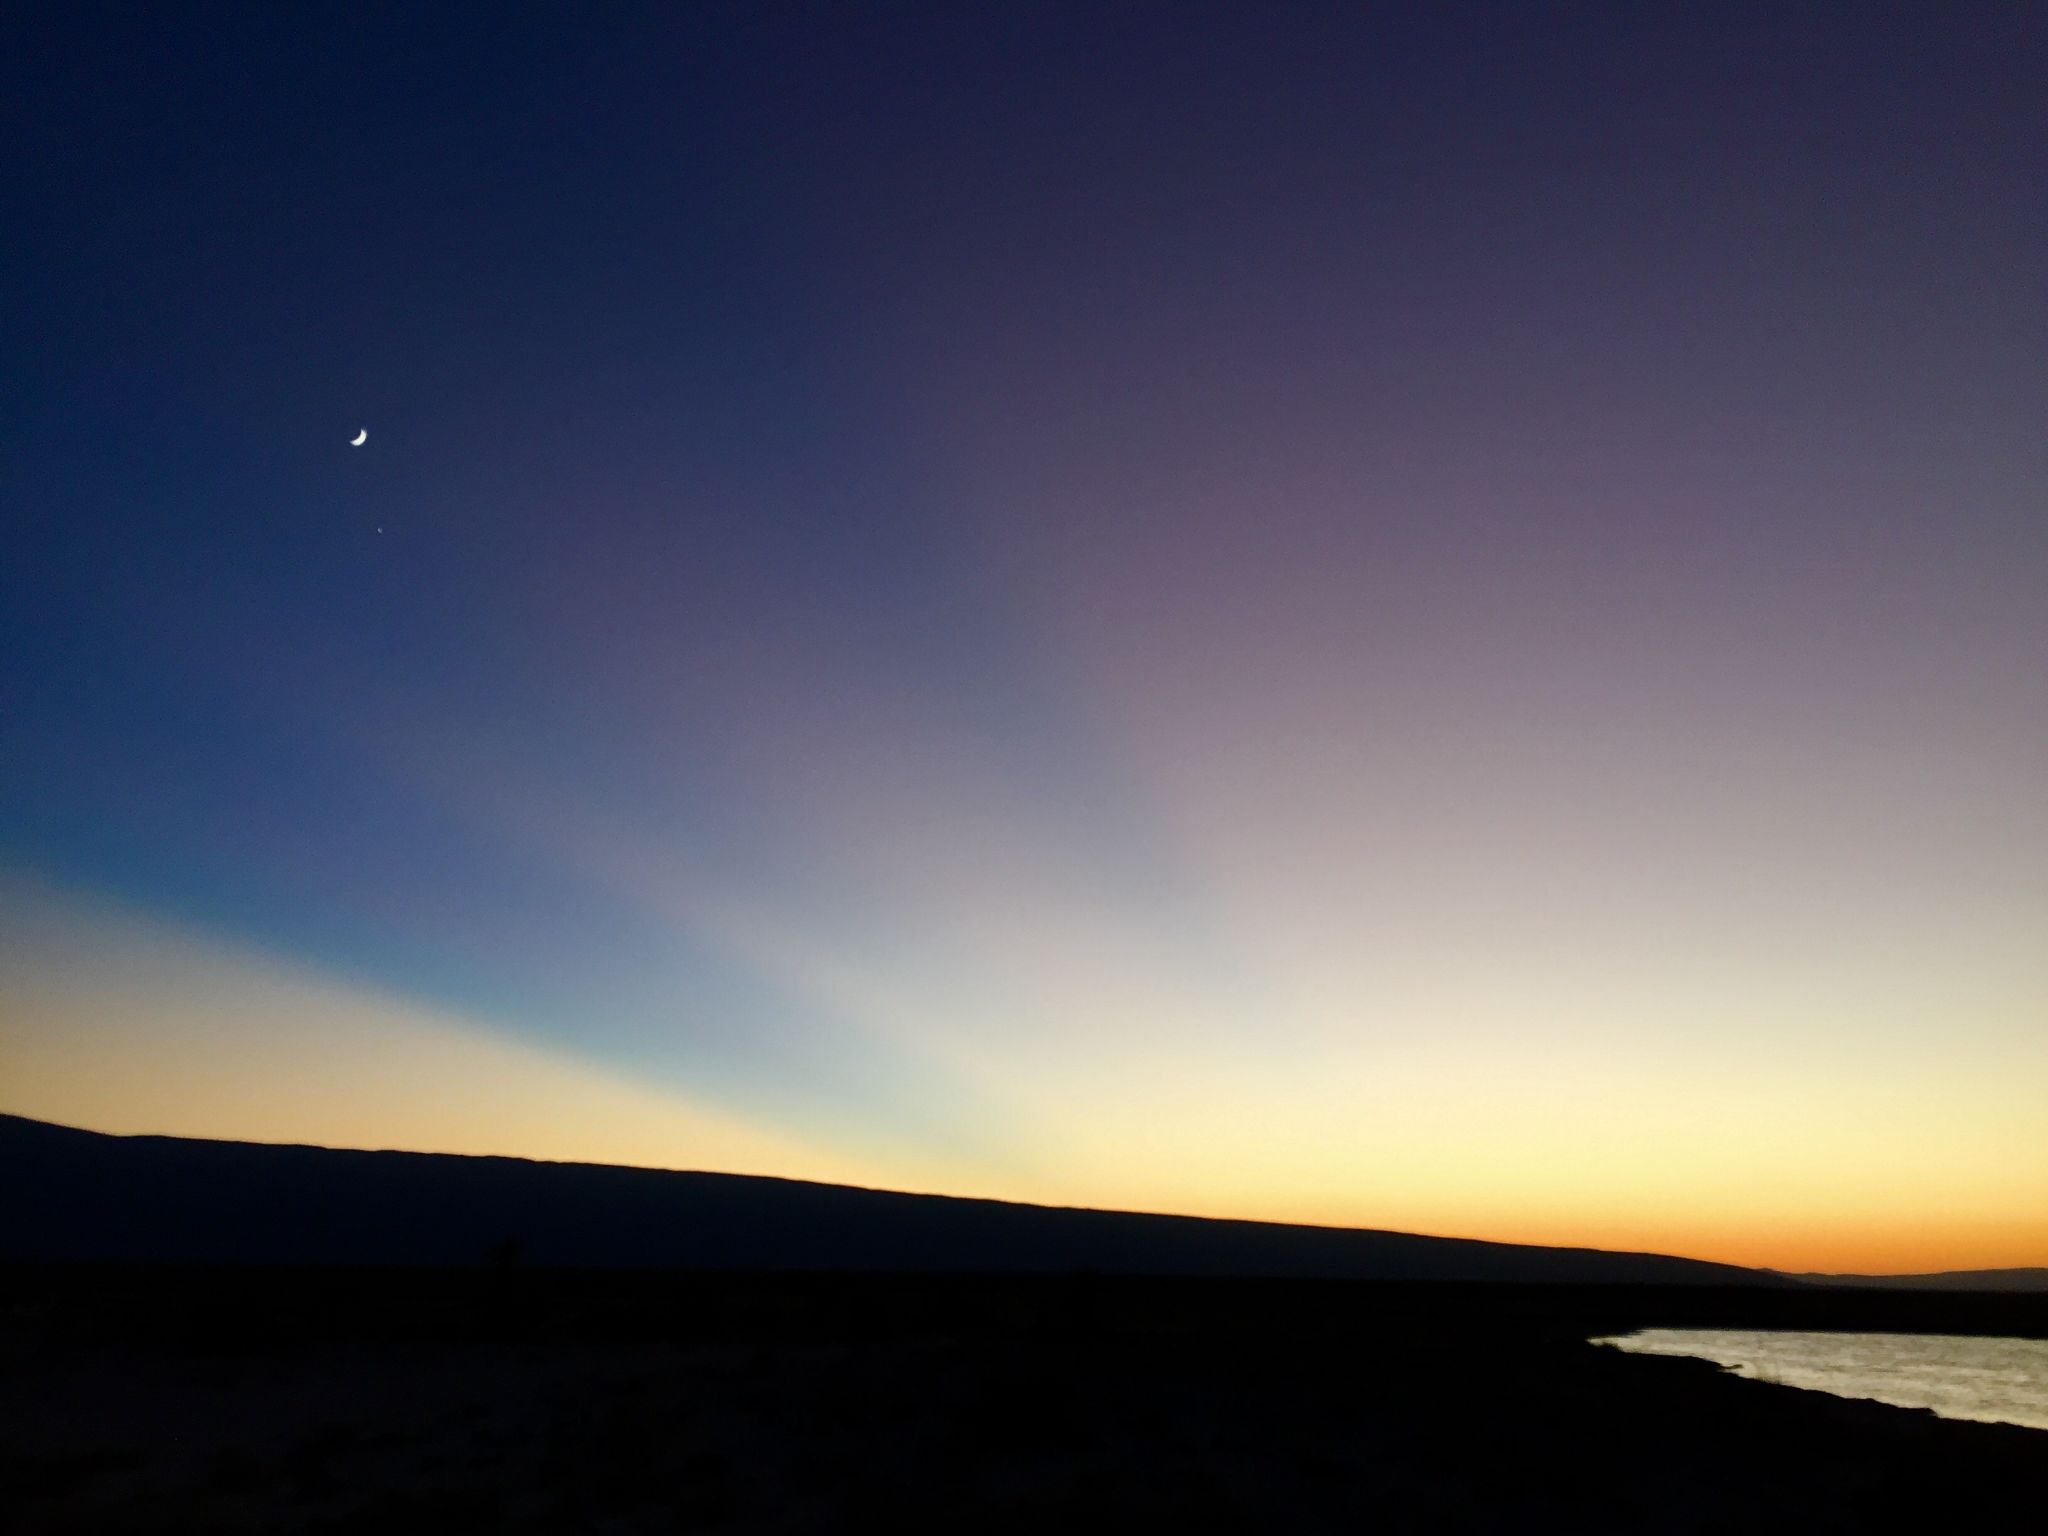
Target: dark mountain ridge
x,y
1942,1280
71,1195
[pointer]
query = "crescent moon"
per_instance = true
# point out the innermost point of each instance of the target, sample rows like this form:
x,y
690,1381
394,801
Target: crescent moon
x,y
362,436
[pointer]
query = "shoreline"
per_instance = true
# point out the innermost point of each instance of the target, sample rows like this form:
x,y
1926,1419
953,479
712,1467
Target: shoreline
x,y
1759,1355
1821,1400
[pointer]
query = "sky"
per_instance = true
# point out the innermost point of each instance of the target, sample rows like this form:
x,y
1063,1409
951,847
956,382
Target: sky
x,y
1428,617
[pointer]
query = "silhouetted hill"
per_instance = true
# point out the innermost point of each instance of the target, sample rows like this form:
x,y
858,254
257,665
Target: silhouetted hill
x,y
72,1195
1944,1280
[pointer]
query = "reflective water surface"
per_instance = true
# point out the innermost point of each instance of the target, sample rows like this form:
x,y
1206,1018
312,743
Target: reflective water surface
x,y
2000,1380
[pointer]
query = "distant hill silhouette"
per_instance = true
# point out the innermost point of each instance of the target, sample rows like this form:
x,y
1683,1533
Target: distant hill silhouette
x,y
73,1195
1944,1280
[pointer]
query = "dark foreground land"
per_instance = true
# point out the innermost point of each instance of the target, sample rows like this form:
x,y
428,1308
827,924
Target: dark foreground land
x,y
150,1399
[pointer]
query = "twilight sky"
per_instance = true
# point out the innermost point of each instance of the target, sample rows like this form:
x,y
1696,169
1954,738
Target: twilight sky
x,y
1414,616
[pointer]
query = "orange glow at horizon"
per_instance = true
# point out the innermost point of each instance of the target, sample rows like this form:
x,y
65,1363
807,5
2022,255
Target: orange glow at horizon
x,y
118,1024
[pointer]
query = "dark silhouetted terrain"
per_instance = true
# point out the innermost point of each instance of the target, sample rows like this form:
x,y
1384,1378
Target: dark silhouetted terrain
x,y
141,1399
213,1336
78,1196
1943,1280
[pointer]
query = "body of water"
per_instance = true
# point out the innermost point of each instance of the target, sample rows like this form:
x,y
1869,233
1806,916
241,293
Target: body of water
x,y
2002,1381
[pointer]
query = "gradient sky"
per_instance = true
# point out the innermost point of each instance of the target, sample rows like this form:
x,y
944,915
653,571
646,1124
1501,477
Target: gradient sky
x,y
1428,617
